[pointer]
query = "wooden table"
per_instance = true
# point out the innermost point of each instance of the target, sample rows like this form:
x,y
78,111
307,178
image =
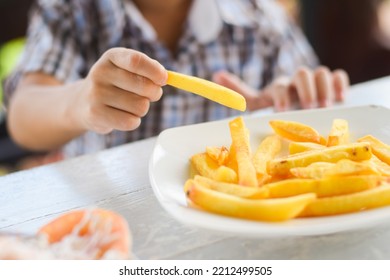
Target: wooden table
x,y
118,179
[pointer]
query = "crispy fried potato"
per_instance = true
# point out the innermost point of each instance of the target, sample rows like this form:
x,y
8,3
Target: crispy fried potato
x,y
339,133
207,89
383,168
233,189
325,187
346,167
192,171
278,209
232,159
343,167
359,201
240,141
295,131
300,147
380,149
355,151
203,165
266,151
316,170
219,154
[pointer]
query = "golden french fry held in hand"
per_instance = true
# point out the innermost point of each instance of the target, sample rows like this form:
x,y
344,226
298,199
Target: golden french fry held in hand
x,y
207,89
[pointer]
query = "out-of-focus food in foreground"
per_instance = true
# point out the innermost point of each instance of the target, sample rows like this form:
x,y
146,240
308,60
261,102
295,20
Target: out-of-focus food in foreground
x,y
319,175
81,234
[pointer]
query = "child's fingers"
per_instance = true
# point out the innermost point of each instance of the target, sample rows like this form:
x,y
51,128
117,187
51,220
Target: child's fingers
x,y
138,63
134,83
325,90
304,83
340,83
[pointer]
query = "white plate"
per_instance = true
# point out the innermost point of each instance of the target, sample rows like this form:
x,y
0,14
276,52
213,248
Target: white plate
x,y
168,170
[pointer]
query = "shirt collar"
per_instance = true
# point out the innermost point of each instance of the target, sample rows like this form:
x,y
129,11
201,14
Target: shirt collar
x,y
206,18
147,29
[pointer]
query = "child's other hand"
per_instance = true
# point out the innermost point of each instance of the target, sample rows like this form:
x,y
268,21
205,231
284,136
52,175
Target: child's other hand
x,y
309,88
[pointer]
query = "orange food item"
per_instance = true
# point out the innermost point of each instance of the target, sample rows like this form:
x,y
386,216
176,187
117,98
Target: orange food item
x,y
109,230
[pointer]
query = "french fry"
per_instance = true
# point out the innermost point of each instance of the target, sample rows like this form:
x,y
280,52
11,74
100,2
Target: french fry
x,y
300,147
330,186
203,165
339,133
380,149
346,167
372,198
240,141
355,151
232,159
192,171
279,209
233,189
316,170
266,151
343,167
295,131
218,154
207,89
383,168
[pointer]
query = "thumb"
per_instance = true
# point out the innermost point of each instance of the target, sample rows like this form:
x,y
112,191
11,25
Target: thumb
x,y
233,82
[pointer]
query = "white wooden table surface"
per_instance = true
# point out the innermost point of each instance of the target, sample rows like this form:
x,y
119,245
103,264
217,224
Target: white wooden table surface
x,y
118,179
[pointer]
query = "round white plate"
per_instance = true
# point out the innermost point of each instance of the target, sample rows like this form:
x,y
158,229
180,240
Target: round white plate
x,y
169,169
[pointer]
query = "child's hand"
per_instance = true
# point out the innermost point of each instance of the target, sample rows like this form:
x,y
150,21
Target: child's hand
x,y
118,90
309,88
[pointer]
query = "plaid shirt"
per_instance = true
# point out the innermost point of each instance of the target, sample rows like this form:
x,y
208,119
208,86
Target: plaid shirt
x,y
251,38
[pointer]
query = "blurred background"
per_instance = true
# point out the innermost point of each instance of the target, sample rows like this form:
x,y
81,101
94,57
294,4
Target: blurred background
x,y
349,34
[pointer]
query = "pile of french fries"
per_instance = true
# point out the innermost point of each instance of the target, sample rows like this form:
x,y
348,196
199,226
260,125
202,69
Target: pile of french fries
x,y
319,176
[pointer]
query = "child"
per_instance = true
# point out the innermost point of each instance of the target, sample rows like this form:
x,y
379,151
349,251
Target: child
x,y
93,72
